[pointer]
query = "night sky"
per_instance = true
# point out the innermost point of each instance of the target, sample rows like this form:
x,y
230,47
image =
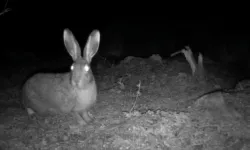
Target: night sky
x,y
37,27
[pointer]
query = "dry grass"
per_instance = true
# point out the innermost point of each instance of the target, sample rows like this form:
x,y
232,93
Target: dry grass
x,y
143,104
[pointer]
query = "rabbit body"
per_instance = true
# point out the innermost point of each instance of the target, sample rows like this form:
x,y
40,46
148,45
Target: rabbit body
x,y
74,91
53,94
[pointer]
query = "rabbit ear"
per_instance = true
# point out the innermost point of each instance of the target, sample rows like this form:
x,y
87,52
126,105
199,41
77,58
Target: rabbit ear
x,y
71,44
92,45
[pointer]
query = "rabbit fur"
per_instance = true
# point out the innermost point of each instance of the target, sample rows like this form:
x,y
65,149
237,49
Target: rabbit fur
x,y
74,91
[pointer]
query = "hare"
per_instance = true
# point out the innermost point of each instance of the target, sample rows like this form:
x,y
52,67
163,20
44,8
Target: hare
x,y
74,91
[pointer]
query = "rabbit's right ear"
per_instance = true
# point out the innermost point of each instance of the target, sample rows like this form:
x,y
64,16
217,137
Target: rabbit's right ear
x,y
71,44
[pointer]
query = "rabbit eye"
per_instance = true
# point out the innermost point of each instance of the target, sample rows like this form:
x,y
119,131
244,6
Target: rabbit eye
x,y
86,68
72,67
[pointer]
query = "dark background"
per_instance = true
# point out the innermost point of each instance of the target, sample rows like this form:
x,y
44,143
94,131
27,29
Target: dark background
x,y
36,28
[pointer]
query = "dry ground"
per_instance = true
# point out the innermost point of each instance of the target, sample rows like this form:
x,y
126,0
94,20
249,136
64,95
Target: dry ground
x,y
143,104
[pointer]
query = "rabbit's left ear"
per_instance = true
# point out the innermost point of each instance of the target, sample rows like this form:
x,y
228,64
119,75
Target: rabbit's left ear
x,y
71,44
92,45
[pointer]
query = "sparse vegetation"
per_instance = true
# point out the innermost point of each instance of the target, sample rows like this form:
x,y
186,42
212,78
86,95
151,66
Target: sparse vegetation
x,y
143,104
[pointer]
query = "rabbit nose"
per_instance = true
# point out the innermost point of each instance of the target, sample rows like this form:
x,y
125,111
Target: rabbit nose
x,y
73,82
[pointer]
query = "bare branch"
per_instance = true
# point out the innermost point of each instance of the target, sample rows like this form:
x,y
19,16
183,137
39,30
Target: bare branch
x,y
5,9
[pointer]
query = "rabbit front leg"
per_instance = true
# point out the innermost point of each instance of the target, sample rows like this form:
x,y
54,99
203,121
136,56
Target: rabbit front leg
x,y
80,119
87,116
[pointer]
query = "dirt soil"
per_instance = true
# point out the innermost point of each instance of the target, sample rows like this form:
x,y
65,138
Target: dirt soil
x,y
143,104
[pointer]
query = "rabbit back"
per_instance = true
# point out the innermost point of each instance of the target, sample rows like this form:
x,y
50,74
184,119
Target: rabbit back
x,y
49,93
